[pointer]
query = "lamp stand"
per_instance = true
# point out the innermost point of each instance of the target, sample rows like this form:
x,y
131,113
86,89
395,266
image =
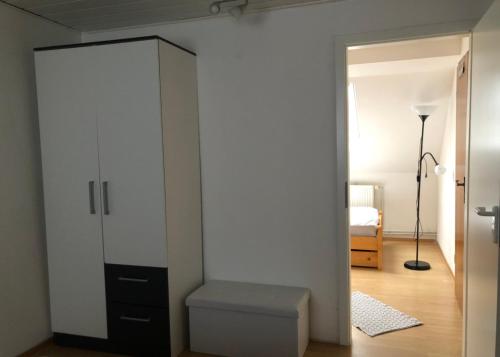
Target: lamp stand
x,y
419,264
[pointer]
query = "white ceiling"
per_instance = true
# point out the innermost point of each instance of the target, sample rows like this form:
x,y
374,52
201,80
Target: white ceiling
x,y
406,50
420,65
91,15
388,80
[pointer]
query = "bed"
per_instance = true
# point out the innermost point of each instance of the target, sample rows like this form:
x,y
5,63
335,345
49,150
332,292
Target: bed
x,y
366,227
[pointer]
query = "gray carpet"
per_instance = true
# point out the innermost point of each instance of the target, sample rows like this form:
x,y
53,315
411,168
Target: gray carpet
x,y
373,317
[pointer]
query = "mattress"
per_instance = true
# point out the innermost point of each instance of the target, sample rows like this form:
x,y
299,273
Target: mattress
x,y
364,221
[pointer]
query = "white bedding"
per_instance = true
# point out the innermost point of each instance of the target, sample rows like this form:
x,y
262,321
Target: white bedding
x,y
364,221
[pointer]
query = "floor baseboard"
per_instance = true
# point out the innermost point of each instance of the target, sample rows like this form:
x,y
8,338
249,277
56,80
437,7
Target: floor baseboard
x,y
452,273
41,346
409,235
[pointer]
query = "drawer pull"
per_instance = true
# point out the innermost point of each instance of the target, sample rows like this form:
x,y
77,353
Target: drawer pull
x,y
133,280
136,319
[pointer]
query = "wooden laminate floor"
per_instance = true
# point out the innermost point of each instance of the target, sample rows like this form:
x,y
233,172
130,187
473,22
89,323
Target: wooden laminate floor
x,y
428,296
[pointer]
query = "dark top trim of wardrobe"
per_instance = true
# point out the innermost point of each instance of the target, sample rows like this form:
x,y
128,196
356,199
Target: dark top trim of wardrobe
x,y
108,42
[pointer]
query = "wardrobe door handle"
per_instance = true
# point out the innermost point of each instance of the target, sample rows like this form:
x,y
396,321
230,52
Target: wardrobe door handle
x,y
91,197
105,197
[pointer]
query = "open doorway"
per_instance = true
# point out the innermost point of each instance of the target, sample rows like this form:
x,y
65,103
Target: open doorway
x,y
395,90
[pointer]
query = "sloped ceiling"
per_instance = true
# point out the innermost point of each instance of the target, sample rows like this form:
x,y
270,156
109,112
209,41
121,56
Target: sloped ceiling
x,y
388,80
91,15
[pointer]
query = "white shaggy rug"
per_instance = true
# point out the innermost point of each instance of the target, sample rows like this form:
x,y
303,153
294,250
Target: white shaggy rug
x,y
374,317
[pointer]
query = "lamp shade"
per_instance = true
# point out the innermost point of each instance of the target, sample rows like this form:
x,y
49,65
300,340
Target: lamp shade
x,y
424,109
439,170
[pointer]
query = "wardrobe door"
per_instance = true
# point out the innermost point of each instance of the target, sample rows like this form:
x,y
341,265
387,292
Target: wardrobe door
x,y
68,132
131,154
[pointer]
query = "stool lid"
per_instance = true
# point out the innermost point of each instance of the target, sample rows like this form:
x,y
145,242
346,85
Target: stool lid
x,y
248,297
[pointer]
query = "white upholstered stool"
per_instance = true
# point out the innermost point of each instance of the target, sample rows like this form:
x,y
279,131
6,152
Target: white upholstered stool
x,y
249,320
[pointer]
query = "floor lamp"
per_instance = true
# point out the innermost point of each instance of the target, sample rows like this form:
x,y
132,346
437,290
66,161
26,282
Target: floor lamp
x,y
423,112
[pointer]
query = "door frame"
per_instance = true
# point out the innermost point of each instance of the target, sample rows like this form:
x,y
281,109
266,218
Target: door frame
x,y
341,43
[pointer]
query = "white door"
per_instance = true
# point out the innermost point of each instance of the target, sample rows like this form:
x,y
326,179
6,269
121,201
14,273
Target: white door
x,y
131,154
484,187
68,133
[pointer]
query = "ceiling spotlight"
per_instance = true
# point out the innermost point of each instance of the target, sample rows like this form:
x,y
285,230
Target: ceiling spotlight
x,y
214,8
234,7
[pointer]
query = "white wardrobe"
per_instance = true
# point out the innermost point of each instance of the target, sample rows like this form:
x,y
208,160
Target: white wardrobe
x,y
121,179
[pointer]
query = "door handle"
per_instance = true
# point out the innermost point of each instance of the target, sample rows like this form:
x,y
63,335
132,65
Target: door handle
x,y
481,211
461,184
91,197
105,198
495,216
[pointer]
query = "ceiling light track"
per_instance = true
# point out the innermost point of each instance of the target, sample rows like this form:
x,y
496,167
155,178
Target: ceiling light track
x,y
234,7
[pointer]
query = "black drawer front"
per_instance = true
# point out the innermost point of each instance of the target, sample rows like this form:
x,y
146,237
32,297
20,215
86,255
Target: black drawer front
x,y
129,284
139,330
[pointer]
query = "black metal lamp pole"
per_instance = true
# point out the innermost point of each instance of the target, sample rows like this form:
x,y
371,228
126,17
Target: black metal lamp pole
x,y
419,264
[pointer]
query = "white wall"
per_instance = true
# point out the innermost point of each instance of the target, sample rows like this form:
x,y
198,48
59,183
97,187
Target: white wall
x,y
446,211
388,135
24,308
384,140
266,88
446,198
400,194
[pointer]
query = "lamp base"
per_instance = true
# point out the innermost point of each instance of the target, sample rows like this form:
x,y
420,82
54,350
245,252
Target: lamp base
x,y
417,265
